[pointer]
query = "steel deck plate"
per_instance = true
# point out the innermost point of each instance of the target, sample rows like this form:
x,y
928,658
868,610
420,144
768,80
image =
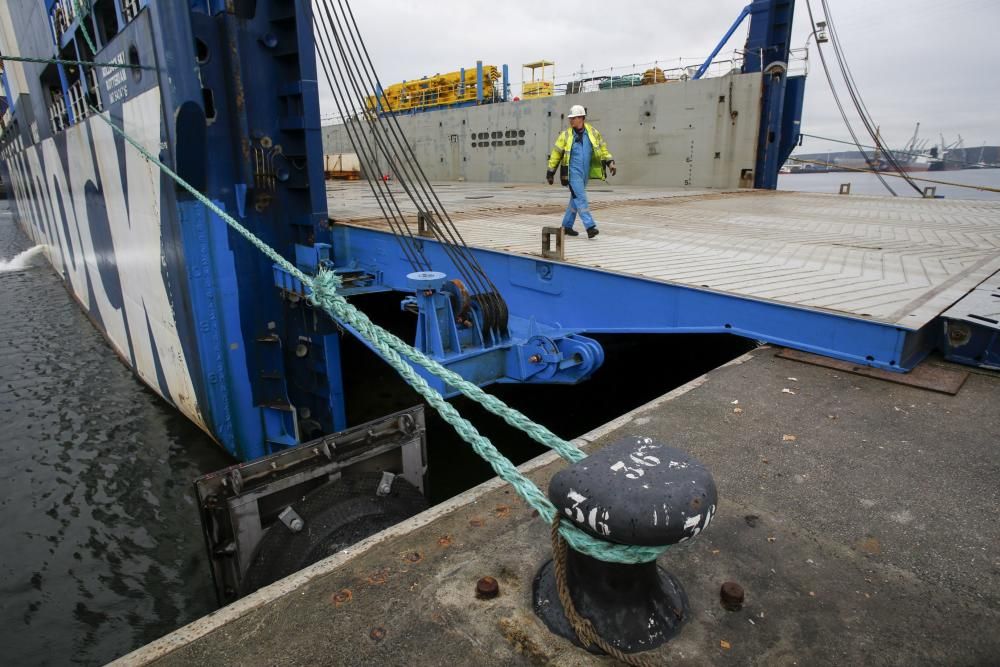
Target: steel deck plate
x,y
899,261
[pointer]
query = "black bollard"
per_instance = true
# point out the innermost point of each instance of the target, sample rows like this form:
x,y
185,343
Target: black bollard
x,y
635,491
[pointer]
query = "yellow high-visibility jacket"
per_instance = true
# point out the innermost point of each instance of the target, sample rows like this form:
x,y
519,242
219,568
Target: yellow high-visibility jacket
x,y
564,145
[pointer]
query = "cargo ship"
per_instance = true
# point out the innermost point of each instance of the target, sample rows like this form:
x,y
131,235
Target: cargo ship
x,y
178,297
226,95
725,123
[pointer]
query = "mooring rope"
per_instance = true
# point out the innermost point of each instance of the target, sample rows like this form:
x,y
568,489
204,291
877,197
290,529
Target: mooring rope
x,y
79,63
323,294
582,626
82,10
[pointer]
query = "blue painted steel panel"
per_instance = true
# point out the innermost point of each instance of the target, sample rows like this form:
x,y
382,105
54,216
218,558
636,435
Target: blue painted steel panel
x,y
770,34
213,115
791,117
768,43
593,301
213,295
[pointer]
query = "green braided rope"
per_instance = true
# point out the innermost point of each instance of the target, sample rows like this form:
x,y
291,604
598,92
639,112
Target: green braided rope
x,y
515,418
81,63
324,295
82,11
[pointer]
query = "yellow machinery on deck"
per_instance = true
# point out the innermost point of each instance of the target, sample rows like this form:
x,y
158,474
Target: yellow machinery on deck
x,y
542,84
440,90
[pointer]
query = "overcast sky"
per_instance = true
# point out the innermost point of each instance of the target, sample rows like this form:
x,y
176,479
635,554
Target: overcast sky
x,y
932,61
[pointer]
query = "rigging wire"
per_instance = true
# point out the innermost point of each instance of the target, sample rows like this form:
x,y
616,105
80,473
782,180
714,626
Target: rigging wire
x,y
840,106
392,157
897,152
368,157
340,29
858,101
489,296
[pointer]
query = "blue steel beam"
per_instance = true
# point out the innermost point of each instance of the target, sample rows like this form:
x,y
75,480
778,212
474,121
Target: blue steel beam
x,y
574,298
768,43
722,42
770,34
479,82
532,352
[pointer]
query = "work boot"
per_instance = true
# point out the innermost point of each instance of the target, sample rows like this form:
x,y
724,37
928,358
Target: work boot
x,y
592,232
569,231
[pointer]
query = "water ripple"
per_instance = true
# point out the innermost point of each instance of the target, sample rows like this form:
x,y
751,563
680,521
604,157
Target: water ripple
x,y
103,551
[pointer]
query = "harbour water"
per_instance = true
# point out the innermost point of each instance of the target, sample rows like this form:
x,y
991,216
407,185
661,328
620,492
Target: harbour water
x,y
102,550
868,184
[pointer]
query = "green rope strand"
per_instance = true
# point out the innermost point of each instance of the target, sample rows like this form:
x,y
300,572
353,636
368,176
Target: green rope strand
x,y
324,295
82,11
80,63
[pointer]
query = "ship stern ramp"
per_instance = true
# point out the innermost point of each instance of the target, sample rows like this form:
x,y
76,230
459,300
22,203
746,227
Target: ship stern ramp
x,y
862,279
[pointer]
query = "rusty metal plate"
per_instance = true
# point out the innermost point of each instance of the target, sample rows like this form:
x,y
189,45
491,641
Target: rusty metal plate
x,y
925,376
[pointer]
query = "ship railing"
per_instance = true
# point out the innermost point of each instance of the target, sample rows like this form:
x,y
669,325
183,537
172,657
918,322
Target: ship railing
x,y
78,101
130,9
95,89
620,76
57,113
642,74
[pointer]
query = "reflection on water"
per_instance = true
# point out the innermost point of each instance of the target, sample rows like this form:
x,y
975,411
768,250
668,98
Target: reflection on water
x,y
102,551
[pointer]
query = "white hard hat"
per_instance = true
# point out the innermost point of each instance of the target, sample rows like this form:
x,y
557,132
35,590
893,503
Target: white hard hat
x,y
576,110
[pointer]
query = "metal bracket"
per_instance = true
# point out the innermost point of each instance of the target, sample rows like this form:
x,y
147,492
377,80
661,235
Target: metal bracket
x,y
385,484
291,519
971,329
240,503
845,188
547,251
424,223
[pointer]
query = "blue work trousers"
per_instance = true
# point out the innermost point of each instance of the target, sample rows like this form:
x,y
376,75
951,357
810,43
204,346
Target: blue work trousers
x,y
578,204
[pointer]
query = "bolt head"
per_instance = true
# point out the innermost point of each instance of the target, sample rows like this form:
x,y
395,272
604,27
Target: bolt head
x,y
487,588
732,596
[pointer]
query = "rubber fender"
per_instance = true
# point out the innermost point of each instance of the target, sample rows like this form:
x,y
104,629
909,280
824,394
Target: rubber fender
x,y
336,516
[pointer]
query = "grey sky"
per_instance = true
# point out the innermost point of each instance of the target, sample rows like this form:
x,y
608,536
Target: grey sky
x,y
933,61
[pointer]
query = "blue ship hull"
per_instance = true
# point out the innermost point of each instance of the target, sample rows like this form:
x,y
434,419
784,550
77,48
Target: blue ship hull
x,y
226,94
176,296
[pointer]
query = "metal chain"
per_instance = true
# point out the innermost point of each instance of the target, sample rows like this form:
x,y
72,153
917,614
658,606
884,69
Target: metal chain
x,y
584,629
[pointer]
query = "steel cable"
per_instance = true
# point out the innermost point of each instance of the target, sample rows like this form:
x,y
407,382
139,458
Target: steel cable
x,y
382,192
840,106
443,220
344,66
859,104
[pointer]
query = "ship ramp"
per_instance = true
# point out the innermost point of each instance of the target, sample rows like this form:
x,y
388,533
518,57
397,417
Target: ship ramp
x,y
864,279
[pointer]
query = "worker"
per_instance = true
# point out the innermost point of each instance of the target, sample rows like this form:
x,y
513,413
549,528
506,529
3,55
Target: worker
x,y
581,154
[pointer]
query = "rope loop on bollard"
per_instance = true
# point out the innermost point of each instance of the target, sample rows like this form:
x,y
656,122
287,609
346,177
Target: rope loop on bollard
x,y
584,629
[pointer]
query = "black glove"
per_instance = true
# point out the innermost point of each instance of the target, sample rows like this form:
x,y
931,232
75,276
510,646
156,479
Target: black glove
x,y
610,165
550,176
